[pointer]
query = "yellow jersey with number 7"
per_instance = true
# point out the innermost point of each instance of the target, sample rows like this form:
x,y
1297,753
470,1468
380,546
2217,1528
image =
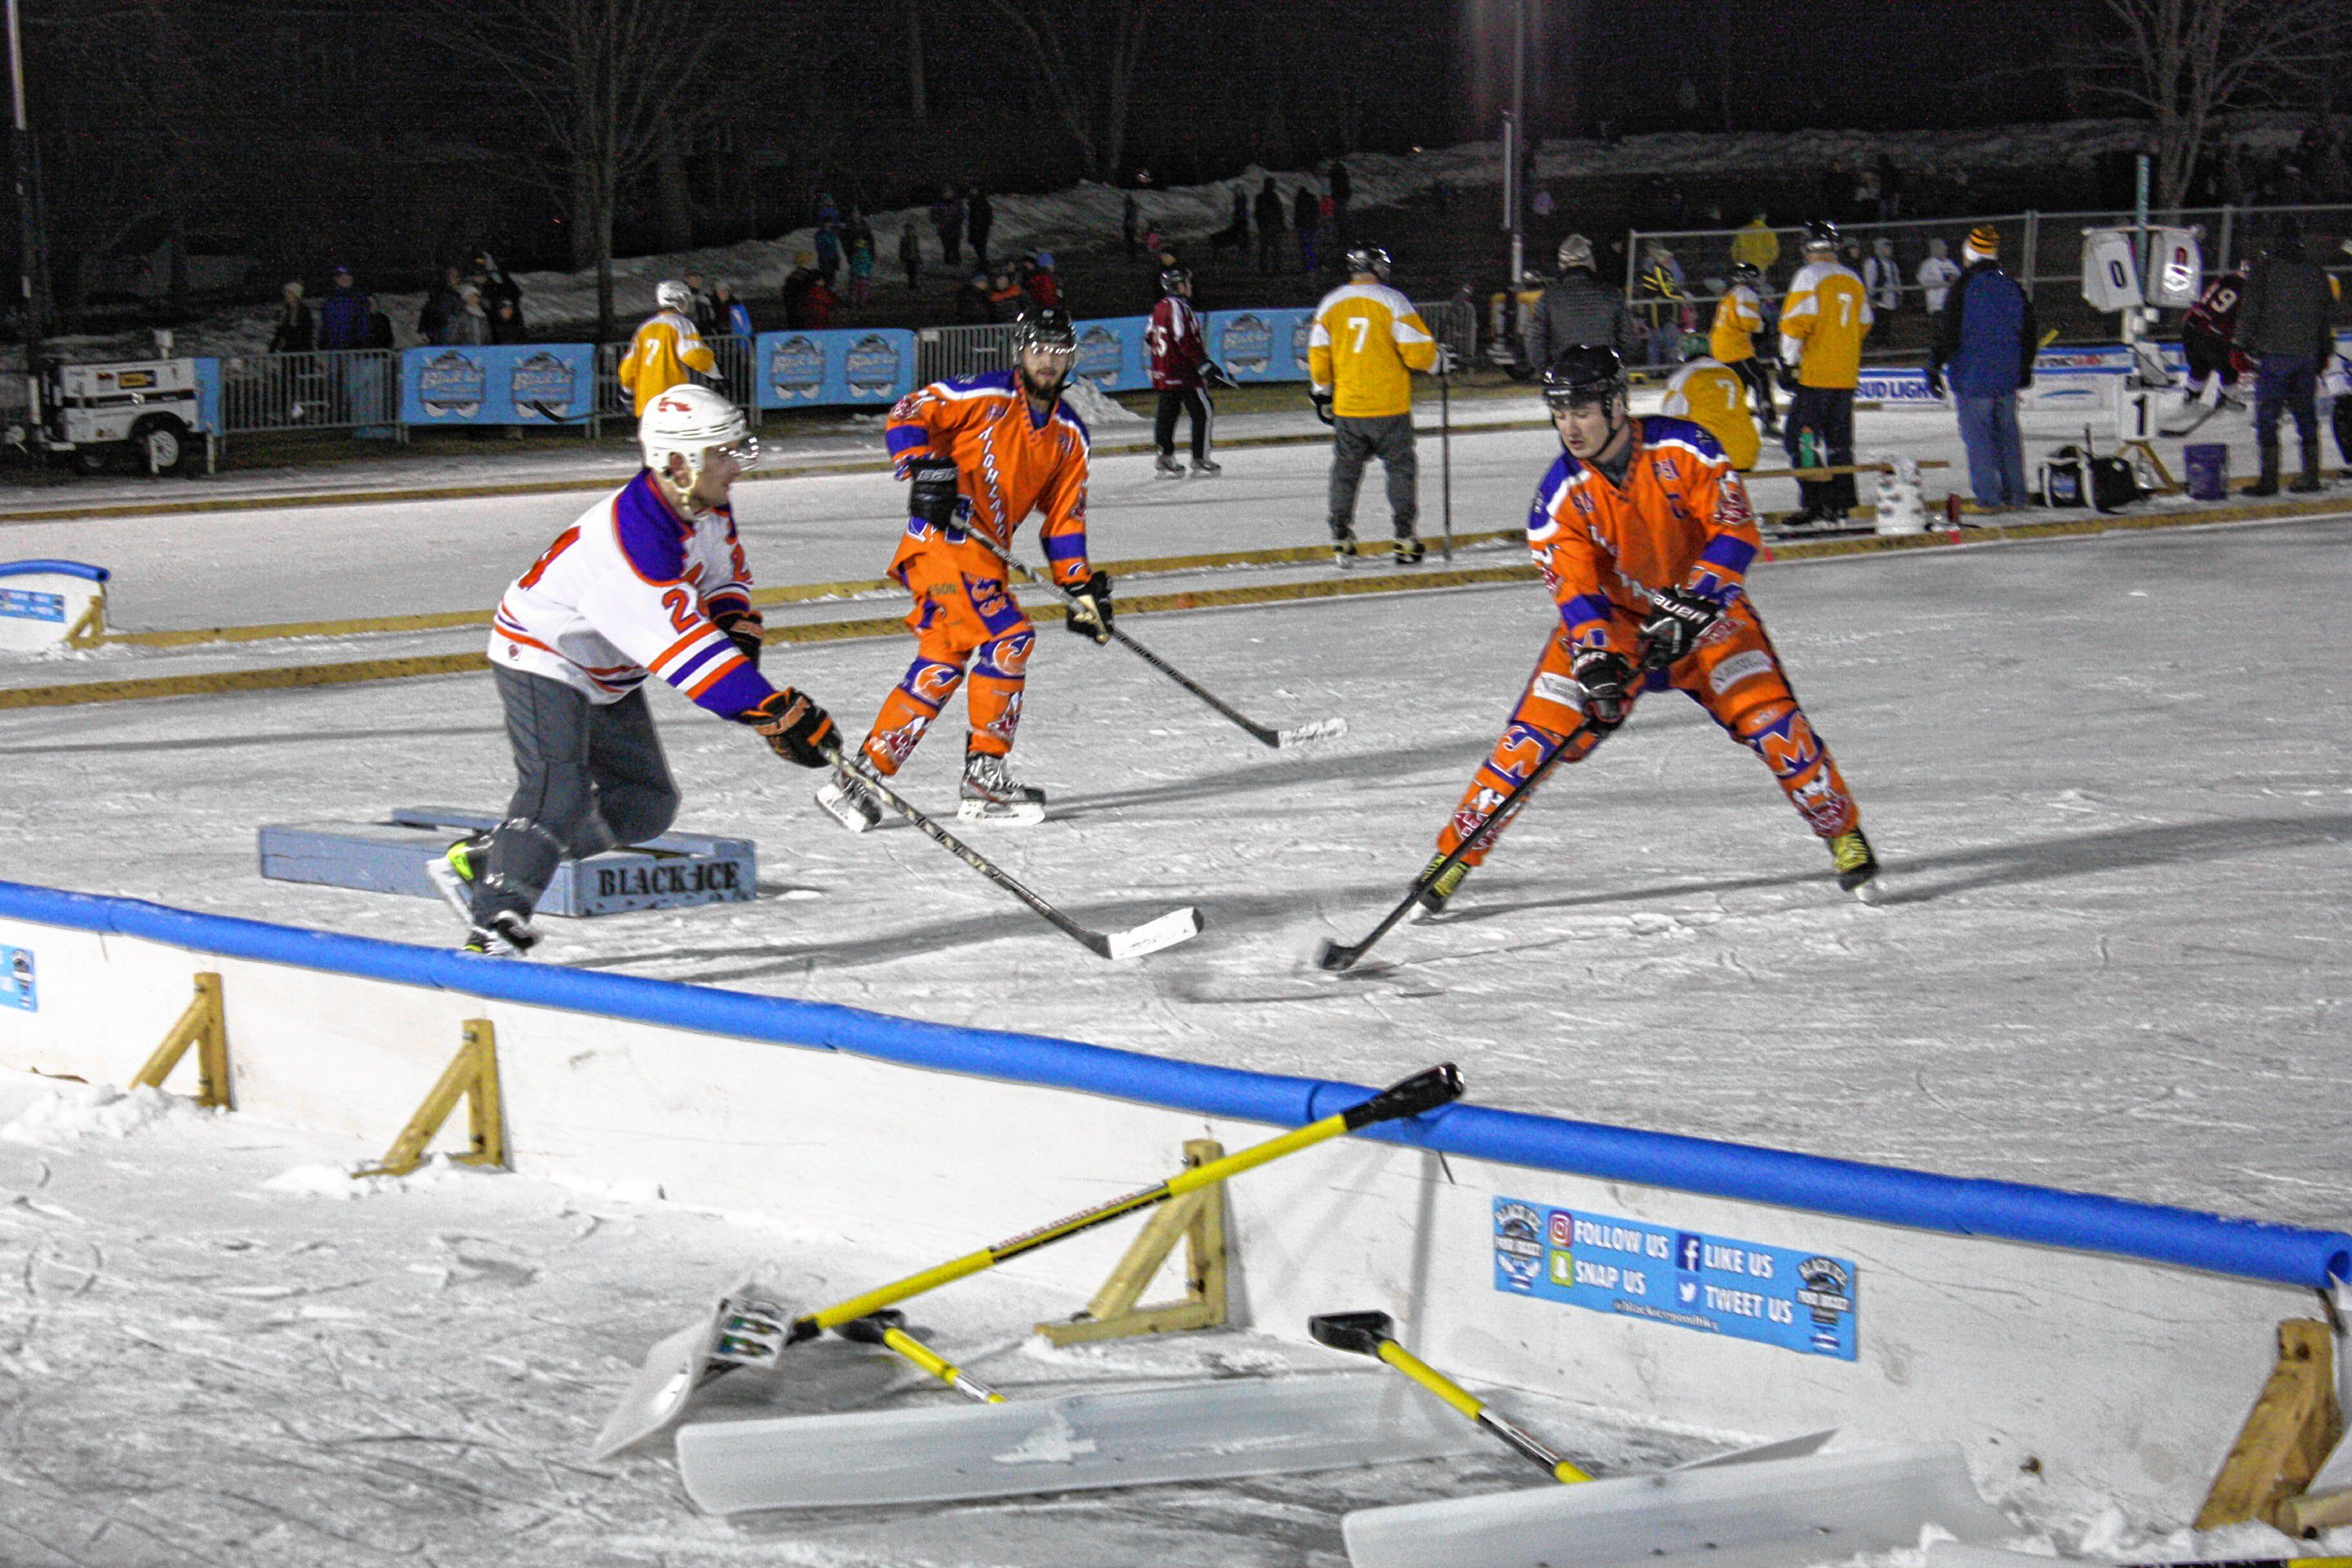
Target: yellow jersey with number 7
x,y
1367,337
1823,319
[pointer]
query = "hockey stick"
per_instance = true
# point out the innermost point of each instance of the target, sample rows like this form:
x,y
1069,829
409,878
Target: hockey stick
x,y
1425,1090
551,415
1167,930
1338,956
1320,729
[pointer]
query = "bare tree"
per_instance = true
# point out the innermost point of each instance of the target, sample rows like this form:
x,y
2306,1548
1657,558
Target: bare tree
x,y
613,85
2184,63
1084,55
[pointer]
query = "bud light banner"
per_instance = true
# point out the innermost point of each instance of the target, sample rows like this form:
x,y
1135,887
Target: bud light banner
x,y
503,384
1261,345
1112,353
817,370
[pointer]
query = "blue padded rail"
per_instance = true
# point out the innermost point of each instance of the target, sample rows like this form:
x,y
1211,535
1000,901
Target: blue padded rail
x,y
62,568
1918,1200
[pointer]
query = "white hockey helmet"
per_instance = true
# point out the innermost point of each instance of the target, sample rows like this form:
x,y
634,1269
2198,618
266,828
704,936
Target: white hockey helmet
x,y
689,420
669,294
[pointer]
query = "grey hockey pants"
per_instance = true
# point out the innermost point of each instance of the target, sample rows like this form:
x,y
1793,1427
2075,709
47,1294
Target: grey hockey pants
x,y
589,778
1355,442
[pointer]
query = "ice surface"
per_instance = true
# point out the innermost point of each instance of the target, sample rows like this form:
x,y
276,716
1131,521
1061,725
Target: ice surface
x,y
2108,777
2114,817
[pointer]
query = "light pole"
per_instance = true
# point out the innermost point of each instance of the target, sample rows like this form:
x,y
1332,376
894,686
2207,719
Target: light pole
x,y
1515,130
31,282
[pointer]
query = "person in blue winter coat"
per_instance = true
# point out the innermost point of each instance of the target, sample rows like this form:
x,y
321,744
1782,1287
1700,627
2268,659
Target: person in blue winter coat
x,y
1985,341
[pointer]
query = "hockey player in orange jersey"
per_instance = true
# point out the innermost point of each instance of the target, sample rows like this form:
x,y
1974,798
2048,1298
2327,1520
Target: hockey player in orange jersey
x,y
1643,535
981,453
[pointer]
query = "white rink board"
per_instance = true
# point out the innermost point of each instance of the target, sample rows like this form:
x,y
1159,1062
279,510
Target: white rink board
x,y
2123,1379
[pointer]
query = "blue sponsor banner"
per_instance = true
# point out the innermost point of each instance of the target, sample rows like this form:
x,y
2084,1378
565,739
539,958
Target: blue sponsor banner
x,y
1796,1299
1261,345
814,370
17,987
208,394
31,605
502,383
1113,355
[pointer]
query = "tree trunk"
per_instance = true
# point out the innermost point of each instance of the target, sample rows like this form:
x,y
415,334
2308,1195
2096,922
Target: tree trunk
x,y
672,205
581,225
917,99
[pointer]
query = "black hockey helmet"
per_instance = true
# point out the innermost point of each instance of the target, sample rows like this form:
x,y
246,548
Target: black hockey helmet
x,y
1745,272
1174,277
1821,235
1584,372
1044,327
1368,258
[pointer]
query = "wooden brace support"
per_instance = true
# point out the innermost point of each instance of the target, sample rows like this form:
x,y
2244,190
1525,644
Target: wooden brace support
x,y
2287,1437
472,1074
203,1027
89,629
1199,1220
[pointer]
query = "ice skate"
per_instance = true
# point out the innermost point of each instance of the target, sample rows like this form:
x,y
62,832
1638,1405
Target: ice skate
x,y
507,935
990,794
457,870
1857,867
1207,467
1166,467
851,805
1343,548
1408,551
1430,902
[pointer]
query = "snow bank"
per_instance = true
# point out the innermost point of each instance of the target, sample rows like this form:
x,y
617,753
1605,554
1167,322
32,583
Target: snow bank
x,y
1089,214
96,1110
343,1183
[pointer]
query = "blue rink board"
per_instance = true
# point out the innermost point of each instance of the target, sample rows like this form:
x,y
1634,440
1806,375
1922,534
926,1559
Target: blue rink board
x,y
677,870
1887,1194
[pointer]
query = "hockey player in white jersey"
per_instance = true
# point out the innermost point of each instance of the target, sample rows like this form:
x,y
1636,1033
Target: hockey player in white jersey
x,y
650,581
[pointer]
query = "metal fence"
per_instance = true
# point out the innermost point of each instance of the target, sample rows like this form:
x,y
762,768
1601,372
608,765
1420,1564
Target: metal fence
x,y
738,364
2042,250
943,351
342,389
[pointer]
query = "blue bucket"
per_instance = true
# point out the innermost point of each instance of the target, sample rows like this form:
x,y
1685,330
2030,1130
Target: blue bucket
x,y
2209,470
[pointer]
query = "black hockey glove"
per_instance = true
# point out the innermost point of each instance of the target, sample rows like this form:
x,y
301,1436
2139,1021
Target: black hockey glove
x,y
1678,619
1322,405
931,491
1089,611
1790,382
1606,678
744,629
795,729
1213,377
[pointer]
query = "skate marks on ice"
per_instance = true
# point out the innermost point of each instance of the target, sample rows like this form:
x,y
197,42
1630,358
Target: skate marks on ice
x,y
1942,874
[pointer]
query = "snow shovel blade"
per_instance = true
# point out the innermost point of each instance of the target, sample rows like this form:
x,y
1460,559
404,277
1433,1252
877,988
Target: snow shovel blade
x,y
1779,1513
1794,1448
1193,1431
746,1328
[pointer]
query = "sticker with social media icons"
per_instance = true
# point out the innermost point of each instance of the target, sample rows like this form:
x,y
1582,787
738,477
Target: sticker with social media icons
x,y
1796,1298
